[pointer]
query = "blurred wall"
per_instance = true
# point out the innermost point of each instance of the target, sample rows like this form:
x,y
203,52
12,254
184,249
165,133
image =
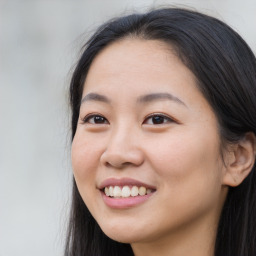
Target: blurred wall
x,y
39,44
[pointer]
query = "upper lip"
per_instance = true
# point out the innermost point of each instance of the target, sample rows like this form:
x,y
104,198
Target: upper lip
x,y
124,181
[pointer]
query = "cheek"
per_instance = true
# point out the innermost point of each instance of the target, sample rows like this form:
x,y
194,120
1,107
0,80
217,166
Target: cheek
x,y
85,159
188,172
186,160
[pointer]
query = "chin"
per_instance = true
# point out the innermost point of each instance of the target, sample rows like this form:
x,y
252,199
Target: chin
x,y
126,239
123,235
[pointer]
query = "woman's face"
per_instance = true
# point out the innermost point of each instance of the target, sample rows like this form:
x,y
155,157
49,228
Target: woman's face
x,y
146,153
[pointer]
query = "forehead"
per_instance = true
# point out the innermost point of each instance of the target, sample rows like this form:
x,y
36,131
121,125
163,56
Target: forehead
x,y
134,59
141,66
129,54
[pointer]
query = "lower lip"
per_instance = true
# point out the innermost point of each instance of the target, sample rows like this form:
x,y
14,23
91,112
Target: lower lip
x,y
122,203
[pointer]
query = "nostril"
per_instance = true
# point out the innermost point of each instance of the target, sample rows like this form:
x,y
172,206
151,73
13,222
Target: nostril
x,y
108,164
121,165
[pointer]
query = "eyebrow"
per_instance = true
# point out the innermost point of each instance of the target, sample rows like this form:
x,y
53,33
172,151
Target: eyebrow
x,y
95,97
159,96
142,99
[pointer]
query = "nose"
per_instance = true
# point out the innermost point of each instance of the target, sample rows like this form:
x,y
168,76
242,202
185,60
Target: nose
x,y
123,149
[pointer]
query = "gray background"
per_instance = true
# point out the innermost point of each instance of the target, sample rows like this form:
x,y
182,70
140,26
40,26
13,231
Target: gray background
x,y
39,44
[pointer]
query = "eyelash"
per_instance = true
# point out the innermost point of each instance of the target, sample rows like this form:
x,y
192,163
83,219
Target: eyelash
x,y
163,118
87,118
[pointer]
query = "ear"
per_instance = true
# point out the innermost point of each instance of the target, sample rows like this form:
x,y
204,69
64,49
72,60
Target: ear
x,y
239,160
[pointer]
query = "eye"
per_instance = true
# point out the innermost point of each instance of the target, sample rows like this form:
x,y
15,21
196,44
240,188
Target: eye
x,y
157,119
95,119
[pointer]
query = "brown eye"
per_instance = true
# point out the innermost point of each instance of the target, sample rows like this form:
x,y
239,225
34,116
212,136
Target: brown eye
x,y
95,119
157,119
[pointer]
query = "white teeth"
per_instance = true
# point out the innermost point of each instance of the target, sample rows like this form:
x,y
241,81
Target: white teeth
x,y
106,190
142,191
134,191
126,191
117,191
110,191
149,191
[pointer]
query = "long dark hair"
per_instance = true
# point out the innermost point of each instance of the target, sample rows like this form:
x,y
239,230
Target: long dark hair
x,y
225,68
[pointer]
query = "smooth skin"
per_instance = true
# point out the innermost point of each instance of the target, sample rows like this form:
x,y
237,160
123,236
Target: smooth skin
x,y
169,142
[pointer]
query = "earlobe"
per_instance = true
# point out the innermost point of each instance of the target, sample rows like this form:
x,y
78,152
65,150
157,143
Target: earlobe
x,y
240,160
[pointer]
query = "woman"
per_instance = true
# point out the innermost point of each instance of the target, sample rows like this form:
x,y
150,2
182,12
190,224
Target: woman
x,y
163,129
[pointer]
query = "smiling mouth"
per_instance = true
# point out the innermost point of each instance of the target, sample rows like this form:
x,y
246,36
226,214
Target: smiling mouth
x,y
126,191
